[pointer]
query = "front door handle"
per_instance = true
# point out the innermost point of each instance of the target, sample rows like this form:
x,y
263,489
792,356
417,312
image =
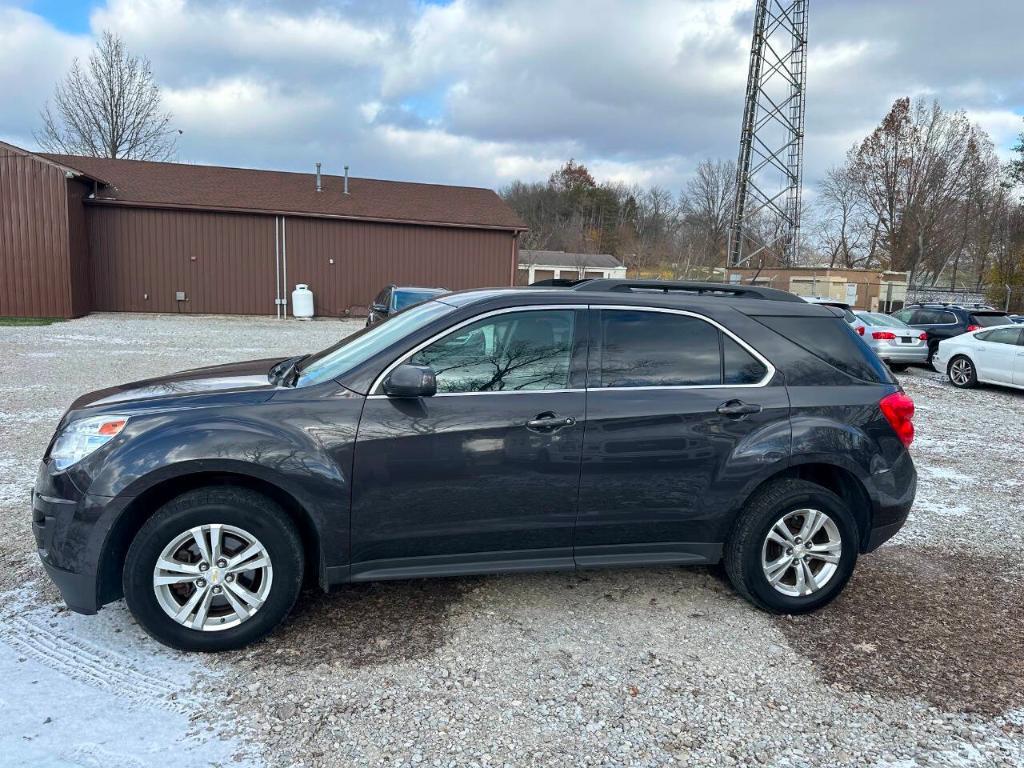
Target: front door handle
x,y
737,409
549,422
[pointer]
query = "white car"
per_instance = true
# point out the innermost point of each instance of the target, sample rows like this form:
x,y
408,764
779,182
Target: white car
x,y
987,356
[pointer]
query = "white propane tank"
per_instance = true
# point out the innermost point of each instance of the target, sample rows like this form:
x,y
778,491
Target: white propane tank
x,y
302,302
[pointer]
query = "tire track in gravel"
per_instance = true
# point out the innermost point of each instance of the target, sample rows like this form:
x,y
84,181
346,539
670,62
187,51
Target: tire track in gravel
x,y
941,625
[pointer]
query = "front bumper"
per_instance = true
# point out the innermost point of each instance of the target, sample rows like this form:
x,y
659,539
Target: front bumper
x,y
70,529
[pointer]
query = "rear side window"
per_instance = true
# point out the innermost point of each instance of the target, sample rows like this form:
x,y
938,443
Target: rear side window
x,y
832,340
934,317
656,349
1001,336
987,321
659,349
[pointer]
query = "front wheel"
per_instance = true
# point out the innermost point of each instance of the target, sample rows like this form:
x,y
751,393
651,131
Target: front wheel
x,y
793,548
962,373
214,569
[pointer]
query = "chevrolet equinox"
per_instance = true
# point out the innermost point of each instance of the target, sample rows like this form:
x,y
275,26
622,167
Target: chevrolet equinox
x,y
608,423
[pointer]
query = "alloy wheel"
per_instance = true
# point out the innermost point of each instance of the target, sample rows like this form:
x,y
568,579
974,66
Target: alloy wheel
x,y
960,372
801,552
212,577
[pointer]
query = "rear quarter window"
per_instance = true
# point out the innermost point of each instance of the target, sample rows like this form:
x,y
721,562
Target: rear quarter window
x,y
988,320
830,339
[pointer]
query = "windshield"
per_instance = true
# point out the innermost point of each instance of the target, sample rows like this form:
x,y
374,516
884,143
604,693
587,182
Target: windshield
x,y
362,345
877,318
406,298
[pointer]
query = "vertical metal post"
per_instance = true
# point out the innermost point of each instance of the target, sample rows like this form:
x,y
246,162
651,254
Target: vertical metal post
x,y
284,260
769,170
277,266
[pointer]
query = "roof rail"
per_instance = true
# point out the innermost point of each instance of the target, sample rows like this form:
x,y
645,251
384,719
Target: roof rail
x,y
731,290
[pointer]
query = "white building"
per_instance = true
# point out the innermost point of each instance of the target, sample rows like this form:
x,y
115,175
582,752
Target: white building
x,y
545,265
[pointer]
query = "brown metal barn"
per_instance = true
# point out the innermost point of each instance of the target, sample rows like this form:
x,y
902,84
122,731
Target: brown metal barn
x,y
79,234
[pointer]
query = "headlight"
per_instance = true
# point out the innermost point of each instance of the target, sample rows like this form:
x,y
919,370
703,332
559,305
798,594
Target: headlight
x,y
80,438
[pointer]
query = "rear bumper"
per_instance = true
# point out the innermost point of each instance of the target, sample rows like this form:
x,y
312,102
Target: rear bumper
x,y
894,492
894,354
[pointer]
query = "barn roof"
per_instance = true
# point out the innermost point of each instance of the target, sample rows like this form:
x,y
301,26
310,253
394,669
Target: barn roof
x,y
208,187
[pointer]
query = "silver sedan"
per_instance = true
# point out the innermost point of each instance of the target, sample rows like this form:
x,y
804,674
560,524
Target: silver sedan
x,y
894,341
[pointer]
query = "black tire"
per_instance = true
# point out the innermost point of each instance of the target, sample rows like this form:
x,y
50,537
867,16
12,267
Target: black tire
x,y
968,368
743,550
245,509
933,347
898,367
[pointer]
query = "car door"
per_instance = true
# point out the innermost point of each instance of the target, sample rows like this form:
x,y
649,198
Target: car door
x,y
1018,362
670,397
996,354
484,475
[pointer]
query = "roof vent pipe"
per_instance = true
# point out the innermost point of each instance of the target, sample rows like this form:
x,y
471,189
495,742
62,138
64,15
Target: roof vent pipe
x,y
346,179
318,187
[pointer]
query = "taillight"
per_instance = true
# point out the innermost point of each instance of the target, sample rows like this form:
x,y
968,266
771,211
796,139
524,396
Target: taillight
x,y
860,329
898,410
923,337
883,335
972,328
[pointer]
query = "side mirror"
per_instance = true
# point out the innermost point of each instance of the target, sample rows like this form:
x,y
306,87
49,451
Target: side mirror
x,y
379,309
411,381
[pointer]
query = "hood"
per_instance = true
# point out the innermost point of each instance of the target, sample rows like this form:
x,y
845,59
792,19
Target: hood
x,y
246,376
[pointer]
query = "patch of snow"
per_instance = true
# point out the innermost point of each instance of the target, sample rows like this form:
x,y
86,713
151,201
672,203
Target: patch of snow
x,y
95,691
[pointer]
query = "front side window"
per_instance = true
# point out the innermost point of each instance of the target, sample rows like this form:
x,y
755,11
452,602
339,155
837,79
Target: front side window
x,y
659,349
904,315
514,351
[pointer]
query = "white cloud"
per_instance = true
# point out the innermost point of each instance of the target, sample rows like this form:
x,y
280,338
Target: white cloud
x,y
485,91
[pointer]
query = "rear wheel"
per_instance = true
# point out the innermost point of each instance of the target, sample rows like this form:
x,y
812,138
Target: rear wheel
x,y
793,548
898,367
214,569
962,373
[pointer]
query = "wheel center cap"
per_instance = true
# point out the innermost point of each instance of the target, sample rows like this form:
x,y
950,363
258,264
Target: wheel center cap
x,y
214,575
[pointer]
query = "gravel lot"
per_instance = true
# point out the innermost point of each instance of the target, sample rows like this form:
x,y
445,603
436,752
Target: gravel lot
x,y
919,663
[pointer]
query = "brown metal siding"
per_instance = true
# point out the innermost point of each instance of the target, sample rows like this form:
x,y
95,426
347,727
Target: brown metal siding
x,y
225,262
139,259
78,250
368,256
34,259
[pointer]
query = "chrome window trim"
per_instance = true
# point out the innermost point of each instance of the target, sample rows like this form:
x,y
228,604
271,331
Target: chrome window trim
x,y
375,395
494,312
686,313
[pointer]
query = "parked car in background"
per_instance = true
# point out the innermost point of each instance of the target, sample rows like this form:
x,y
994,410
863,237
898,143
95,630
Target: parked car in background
x,y
894,341
504,430
395,298
990,356
944,321
1019,319
848,314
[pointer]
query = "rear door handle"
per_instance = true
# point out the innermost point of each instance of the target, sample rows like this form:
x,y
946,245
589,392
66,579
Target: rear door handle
x,y
549,422
737,409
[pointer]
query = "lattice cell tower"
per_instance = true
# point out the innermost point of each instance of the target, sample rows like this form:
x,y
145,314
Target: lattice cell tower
x,y
769,172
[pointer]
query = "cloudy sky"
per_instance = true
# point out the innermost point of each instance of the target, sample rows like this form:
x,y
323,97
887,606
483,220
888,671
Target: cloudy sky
x,y
485,91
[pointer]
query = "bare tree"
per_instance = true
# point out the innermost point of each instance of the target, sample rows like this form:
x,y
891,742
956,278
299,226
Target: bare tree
x,y
844,232
110,107
706,205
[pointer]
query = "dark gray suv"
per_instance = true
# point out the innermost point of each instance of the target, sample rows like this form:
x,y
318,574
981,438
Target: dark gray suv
x,y
609,423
